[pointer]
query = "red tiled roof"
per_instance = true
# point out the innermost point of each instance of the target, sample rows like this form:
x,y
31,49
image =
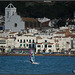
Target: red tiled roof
x,y
38,43
56,40
50,43
57,37
2,37
29,19
60,33
12,32
1,32
72,36
12,37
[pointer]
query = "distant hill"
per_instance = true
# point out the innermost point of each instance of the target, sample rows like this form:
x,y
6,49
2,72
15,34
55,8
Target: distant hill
x,y
50,10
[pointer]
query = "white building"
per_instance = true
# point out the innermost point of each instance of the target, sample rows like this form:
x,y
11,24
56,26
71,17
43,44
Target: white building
x,y
44,44
13,21
6,42
62,43
33,30
26,41
42,20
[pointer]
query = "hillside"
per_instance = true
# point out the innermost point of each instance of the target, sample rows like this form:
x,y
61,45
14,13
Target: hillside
x,y
41,9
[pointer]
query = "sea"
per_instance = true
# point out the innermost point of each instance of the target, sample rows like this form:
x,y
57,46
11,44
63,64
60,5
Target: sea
x,y
47,65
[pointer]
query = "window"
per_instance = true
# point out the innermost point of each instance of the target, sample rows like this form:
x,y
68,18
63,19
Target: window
x,y
24,41
20,41
1,28
15,25
46,46
20,45
24,45
49,46
8,14
38,46
29,45
13,13
33,41
27,40
2,42
33,45
45,40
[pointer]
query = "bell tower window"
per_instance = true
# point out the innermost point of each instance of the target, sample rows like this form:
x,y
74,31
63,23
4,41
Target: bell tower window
x,y
13,13
7,14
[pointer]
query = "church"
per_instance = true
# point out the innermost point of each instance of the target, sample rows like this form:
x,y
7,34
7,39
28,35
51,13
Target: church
x,y
13,22
16,23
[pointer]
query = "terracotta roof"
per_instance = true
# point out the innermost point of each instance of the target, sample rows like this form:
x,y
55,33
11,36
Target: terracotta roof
x,y
57,44
27,35
5,38
57,37
56,40
38,37
2,37
38,43
1,32
60,33
12,37
12,32
72,36
29,19
50,43
66,36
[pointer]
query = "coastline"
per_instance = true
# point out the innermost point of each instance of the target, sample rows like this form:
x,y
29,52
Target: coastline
x,y
37,55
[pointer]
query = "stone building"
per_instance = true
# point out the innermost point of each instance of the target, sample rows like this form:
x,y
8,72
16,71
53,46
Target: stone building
x,y
13,21
31,23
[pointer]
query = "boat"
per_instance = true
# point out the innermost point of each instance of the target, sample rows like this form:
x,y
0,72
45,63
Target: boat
x,y
32,57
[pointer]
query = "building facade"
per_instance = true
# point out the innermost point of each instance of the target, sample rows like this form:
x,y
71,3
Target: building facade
x,y
13,21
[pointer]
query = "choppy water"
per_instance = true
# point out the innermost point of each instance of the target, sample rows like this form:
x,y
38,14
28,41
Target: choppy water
x,y
48,65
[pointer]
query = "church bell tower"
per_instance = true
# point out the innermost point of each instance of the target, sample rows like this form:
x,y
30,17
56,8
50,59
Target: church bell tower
x,y
10,10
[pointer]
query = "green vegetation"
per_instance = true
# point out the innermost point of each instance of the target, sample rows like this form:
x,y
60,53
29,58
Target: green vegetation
x,y
51,10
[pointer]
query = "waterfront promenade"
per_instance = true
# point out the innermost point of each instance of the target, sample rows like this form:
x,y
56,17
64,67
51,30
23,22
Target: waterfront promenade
x,y
37,55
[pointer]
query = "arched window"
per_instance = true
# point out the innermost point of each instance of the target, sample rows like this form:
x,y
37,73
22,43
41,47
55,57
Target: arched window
x,y
13,13
15,25
7,14
33,41
20,41
20,45
49,46
24,45
24,41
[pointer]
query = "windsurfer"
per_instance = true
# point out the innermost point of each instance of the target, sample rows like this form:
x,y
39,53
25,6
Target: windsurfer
x,y
31,60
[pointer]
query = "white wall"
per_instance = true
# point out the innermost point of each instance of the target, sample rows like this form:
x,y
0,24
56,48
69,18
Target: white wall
x,y
17,44
15,19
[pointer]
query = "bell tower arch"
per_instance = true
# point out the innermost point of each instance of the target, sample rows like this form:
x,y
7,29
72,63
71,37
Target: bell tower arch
x,y
9,11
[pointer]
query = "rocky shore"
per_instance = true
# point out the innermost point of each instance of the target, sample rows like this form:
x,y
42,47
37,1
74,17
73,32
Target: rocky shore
x,y
37,55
